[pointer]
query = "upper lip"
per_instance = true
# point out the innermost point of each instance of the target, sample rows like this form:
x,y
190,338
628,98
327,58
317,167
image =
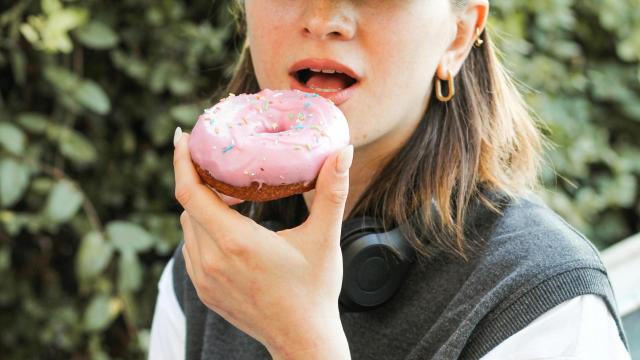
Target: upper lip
x,y
323,64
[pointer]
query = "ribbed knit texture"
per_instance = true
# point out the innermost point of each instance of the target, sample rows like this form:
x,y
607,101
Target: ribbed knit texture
x,y
530,261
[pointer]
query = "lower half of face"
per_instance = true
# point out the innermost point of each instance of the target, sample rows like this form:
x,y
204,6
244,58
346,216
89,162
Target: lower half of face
x,y
398,51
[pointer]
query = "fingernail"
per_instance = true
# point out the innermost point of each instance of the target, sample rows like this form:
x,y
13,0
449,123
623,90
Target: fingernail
x,y
176,136
344,159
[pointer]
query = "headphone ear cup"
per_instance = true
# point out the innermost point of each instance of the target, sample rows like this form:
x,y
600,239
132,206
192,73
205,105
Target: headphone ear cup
x,y
372,271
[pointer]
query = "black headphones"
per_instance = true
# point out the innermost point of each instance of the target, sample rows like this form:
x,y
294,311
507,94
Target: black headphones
x,y
373,272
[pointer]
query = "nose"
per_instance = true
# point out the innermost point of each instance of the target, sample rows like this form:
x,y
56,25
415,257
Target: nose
x,y
329,19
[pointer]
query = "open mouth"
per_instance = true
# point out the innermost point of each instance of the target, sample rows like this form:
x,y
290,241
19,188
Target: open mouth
x,y
326,81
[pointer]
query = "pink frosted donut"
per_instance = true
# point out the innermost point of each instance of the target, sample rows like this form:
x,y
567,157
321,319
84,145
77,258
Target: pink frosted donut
x,y
266,146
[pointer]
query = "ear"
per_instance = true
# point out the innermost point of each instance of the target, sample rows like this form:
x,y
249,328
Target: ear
x,y
472,17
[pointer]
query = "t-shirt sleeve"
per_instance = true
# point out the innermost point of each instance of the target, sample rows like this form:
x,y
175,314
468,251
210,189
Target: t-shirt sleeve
x,y
167,339
579,328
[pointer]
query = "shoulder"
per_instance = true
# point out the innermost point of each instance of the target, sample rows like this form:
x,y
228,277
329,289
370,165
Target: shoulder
x,y
532,254
532,261
530,234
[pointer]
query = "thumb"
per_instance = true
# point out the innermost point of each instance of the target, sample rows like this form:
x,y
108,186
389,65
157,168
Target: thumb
x,y
332,188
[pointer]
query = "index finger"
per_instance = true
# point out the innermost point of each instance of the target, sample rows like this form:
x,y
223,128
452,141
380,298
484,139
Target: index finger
x,y
195,197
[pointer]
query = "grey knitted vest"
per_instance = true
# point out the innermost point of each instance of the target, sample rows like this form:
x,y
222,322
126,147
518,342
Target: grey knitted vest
x,y
530,261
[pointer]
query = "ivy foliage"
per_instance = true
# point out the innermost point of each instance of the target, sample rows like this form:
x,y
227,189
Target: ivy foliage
x,y
91,91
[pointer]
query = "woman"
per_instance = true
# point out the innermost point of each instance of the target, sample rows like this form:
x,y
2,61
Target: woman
x,y
438,130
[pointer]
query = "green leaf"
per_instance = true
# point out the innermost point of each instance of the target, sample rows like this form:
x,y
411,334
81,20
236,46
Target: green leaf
x,y
50,6
129,237
129,272
14,178
159,76
90,95
185,114
34,122
12,138
76,147
61,78
93,256
180,85
130,65
66,19
63,201
97,35
161,129
29,33
101,311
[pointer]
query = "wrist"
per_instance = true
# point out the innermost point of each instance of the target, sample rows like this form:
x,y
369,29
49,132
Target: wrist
x,y
323,338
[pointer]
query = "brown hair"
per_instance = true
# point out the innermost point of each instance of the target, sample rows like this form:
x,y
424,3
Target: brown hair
x,y
483,138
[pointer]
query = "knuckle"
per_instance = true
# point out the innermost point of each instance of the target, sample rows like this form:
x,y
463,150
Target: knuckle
x,y
338,197
204,294
176,159
184,219
186,256
232,247
183,194
210,266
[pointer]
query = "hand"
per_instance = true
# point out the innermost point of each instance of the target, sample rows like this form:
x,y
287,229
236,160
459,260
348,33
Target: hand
x,y
281,287
227,199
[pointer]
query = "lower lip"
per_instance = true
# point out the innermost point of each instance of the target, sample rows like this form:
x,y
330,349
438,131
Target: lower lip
x,y
337,97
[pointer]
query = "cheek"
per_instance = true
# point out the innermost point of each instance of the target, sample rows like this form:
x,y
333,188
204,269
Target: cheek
x,y
269,32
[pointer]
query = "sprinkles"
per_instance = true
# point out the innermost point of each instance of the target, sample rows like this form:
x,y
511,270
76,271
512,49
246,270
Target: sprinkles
x,y
227,149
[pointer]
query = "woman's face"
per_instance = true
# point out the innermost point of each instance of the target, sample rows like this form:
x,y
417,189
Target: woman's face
x,y
394,46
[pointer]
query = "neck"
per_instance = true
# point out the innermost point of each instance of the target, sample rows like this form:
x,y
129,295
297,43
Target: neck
x,y
367,160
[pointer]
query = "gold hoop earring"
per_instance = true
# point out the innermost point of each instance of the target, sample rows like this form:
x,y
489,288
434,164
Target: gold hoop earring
x,y
452,89
479,41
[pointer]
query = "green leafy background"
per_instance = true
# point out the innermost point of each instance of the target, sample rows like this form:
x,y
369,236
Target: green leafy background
x,y
91,91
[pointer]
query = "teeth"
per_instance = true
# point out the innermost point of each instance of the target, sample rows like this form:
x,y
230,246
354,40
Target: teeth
x,y
326,71
324,90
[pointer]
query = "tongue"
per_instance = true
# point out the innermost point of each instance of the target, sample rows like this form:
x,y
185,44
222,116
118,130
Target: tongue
x,y
328,81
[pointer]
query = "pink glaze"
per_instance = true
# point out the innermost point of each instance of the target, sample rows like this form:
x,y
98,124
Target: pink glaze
x,y
272,137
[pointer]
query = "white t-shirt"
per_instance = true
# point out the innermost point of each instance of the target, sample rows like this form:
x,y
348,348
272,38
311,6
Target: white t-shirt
x,y
580,328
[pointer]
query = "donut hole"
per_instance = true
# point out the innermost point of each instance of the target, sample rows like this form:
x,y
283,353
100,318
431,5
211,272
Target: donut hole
x,y
276,127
